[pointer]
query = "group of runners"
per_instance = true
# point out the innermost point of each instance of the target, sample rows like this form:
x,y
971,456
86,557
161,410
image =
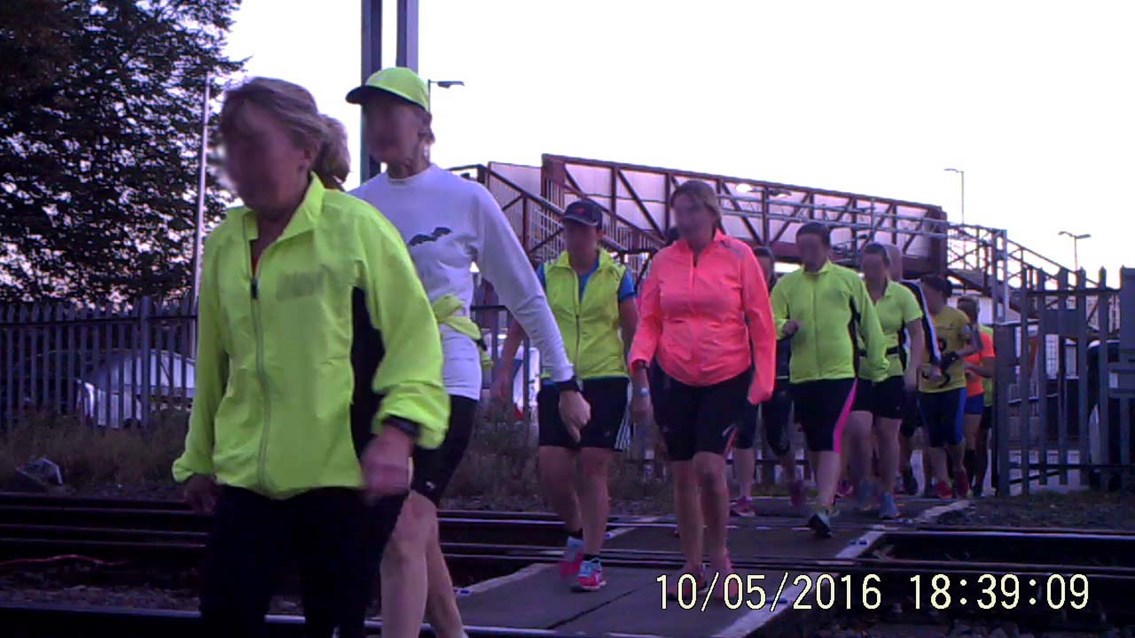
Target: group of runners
x,y
339,371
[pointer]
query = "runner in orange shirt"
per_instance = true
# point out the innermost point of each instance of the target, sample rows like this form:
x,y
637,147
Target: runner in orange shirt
x,y
705,314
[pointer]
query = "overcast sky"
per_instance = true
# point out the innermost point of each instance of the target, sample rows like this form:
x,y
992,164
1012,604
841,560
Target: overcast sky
x,y
1034,100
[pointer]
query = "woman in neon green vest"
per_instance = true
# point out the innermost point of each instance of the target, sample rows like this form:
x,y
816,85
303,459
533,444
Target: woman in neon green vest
x,y
592,298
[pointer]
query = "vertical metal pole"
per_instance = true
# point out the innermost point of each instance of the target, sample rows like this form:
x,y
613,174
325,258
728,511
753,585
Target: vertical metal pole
x,y
408,34
1082,373
1126,355
1103,382
371,62
1041,373
1001,277
1003,343
199,217
963,177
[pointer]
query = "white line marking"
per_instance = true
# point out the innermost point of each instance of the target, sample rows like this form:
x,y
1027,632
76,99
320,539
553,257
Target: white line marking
x,y
484,586
624,530
754,620
935,512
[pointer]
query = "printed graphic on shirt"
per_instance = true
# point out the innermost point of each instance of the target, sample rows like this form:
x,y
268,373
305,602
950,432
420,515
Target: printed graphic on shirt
x,y
438,233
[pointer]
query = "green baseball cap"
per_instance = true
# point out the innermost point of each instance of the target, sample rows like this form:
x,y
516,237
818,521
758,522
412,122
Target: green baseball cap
x,y
395,80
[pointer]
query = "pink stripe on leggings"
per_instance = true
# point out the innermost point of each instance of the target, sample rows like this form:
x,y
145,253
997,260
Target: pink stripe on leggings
x,y
843,415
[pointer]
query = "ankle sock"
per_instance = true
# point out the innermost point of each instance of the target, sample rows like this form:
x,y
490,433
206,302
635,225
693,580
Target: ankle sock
x,y
577,534
590,557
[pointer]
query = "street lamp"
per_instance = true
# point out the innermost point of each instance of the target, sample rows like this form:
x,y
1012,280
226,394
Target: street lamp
x,y
445,84
1075,245
962,174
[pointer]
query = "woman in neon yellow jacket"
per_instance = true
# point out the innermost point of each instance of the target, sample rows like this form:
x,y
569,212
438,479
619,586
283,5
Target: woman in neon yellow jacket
x,y
306,294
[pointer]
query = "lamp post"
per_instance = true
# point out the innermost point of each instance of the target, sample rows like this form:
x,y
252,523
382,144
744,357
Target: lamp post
x,y
1075,246
962,175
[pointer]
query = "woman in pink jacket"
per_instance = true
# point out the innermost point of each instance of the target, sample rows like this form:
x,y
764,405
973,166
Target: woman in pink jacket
x,y
705,319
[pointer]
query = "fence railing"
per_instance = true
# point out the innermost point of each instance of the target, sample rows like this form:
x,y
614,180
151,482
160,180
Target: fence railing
x,y
1058,414
118,367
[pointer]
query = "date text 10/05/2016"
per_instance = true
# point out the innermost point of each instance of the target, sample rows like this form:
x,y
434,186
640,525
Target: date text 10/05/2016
x,y
827,591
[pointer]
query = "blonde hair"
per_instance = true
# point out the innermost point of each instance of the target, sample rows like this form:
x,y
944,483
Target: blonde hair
x,y
294,107
703,194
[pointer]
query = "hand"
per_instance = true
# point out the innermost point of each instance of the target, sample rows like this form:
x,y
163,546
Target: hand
x,y
500,393
575,412
642,410
910,380
386,464
936,373
791,327
201,493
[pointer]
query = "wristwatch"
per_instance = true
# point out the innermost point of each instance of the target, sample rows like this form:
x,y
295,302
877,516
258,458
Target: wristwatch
x,y
409,428
571,385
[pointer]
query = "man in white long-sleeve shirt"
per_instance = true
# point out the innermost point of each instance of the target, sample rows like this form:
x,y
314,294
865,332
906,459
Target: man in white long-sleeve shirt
x,y
449,223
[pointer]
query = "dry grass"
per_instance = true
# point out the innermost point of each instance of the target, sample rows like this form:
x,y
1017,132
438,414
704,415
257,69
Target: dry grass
x,y
91,456
499,470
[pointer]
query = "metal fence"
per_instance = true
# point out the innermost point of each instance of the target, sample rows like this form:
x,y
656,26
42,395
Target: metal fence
x,y
1063,388
119,367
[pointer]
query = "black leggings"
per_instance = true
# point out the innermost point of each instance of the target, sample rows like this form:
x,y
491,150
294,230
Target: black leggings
x,y
336,539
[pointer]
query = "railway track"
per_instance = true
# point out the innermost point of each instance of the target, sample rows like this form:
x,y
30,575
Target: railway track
x,y
52,621
165,536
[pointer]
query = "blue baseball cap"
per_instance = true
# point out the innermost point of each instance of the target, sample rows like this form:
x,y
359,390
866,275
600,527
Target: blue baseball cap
x,y
586,212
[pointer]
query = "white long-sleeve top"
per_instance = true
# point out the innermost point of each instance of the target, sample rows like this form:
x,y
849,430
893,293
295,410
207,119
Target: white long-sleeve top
x,y
450,223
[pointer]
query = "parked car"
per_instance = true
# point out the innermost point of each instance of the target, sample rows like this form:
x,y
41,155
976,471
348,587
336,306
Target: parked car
x,y
107,389
1115,425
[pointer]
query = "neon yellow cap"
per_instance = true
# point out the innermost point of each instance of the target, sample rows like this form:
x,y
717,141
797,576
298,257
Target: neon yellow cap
x,y
396,80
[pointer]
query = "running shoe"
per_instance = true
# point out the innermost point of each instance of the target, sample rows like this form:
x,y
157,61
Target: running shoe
x,y
797,494
590,576
909,482
944,491
888,509
930,492
961,484
977,491
821,522
573,558
742,507
679,580
864,496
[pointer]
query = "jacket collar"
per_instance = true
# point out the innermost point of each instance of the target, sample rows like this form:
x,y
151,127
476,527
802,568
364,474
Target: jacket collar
x,y
823,269
718,238
304,219
564,261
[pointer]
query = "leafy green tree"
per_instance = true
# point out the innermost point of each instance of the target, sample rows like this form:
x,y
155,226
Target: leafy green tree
x,y
100,126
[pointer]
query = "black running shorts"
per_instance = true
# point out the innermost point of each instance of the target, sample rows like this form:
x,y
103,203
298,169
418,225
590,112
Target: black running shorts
x,y
608,400
822,408
698,418
943,413
775,416
911,415
884,400
433,469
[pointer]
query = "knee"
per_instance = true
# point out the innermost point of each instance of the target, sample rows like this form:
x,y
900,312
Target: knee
x,y
595,466
412,533
709,470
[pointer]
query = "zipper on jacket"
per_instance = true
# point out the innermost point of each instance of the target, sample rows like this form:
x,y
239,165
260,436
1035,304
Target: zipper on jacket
x,y
258,331
578,324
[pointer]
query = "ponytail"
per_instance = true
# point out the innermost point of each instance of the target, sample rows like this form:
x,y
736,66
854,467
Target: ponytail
x,y
333,162
295,108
